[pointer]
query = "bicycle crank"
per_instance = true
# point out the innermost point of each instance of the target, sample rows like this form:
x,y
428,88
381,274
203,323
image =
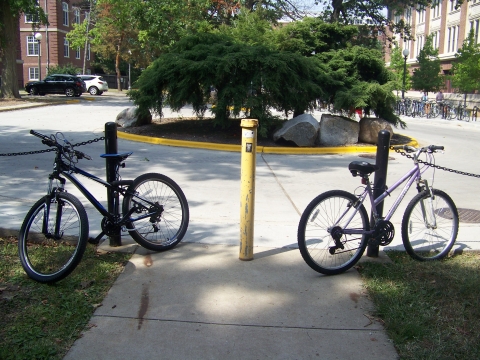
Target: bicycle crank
x,y
383,234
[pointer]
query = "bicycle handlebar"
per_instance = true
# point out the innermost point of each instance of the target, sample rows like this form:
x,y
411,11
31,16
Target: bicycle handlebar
x,y
410,149
53,142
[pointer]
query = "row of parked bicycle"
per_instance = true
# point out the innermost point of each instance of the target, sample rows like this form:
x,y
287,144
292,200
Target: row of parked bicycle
x,y
432,109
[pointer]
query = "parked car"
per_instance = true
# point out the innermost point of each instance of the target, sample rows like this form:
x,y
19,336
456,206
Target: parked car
x,y
69,85
96,85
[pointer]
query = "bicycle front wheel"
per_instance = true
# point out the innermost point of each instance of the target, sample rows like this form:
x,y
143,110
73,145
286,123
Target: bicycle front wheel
x,y
53,237
321,218
166,227
430,226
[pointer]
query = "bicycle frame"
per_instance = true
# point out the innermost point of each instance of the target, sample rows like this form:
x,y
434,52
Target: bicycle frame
x,y
413,175
68,171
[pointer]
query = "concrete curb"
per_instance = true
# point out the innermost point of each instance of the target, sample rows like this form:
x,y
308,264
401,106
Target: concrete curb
x,y
260,149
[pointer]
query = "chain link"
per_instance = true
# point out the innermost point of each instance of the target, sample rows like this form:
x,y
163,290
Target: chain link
x,y
433,165
49,150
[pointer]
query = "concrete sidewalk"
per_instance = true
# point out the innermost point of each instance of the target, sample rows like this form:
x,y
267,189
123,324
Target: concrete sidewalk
x,y
199,301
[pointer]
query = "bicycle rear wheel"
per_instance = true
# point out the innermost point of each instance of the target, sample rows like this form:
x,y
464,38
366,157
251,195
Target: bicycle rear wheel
x,y
166,228
430,226
315,241
50,254
451,113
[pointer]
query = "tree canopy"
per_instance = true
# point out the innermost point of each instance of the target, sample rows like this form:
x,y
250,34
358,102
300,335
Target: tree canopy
x,y
263,76
427,77
244,77
466,68
397,65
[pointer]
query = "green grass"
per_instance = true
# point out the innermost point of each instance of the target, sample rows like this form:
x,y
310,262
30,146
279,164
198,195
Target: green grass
x,y
41,321
431,310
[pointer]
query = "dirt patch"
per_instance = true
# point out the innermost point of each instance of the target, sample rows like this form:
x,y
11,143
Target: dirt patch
x,y
195,129
204,130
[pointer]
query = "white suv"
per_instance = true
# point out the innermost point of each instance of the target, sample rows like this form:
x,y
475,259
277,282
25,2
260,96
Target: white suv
x,y
96,85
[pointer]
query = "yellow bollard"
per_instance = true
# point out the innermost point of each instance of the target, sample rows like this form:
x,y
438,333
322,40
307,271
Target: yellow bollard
x,y
247,192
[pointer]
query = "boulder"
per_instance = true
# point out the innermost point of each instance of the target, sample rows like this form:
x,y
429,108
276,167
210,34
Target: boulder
x,y
301,130
130,117
370,127
337,131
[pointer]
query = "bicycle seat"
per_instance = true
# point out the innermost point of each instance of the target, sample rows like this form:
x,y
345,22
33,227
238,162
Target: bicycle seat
x,y
361,168
120,157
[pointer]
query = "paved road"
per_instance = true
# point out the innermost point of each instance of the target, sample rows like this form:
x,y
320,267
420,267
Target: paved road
x,y
292,179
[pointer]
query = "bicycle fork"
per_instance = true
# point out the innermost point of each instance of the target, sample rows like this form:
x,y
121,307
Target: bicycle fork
x,y
51,193
427,206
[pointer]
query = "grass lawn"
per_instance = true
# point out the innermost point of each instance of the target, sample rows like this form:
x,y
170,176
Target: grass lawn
x,y
41,321
431,310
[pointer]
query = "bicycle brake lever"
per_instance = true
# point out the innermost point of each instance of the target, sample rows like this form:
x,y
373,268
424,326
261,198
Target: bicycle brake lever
x,y
81,155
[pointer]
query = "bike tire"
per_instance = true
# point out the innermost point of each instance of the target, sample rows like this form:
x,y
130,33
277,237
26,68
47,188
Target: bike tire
x,y
166,231
423,242
452,113
315,241
47,259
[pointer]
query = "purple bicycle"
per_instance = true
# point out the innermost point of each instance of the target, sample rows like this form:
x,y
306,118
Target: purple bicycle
x,y
334,229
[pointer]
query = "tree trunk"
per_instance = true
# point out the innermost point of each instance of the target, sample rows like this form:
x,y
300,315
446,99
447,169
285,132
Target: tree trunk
x,y
8,52
117,70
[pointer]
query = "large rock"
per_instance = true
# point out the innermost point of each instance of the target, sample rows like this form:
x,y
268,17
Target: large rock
x,y
337,131
369,129
301,130
130,117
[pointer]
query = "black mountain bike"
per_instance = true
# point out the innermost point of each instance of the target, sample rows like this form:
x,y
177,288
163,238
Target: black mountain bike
x,y
54,234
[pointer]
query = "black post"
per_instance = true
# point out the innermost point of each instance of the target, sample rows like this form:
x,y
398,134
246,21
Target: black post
x,y
111,147
404,76
380,181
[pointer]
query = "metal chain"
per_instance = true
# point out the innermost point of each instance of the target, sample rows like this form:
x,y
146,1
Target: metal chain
x,y
433,165
49,150
29,152
89,141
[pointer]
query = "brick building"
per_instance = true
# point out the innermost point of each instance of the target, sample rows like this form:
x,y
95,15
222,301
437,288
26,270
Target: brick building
x,y
449,25
54,48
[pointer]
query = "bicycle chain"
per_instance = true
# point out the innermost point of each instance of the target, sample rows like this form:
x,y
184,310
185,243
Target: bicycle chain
x,y
433,165
49,150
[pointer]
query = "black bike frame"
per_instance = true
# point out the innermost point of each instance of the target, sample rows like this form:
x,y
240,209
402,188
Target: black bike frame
x,y
67,170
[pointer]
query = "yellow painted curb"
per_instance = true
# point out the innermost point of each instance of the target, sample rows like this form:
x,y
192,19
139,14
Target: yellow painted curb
x,y
260,149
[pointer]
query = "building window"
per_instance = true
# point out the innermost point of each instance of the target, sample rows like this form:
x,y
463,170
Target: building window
x,y
408,16
76,16
436,8
33,73
420,40
32,46
29,18
474,26
452,41
421,15
436,40
65,13
77,53
66,48
88,52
